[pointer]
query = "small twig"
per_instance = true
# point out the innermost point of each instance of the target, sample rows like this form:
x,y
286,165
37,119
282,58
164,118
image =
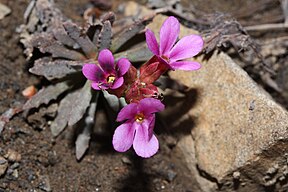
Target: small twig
x,y
275,41
265,27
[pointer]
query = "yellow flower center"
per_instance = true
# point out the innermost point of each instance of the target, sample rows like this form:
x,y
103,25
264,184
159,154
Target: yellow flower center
x,y
110,79
139,117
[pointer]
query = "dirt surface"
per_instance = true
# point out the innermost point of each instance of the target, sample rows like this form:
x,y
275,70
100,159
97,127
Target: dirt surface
x,y
45,164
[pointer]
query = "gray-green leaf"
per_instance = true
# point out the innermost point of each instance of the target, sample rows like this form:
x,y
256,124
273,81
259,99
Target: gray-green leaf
x,y
71,109
55,69
45,95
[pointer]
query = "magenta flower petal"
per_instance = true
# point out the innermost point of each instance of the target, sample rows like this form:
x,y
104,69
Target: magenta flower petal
x,y
118,82
149,122
96,86
186,65
143,146
186,47
106,60
168,35
123,137
127,112
123,66
150,105
93,72
152,42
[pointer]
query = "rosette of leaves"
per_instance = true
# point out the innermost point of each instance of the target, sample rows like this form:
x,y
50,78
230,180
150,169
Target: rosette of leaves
x,y
61,48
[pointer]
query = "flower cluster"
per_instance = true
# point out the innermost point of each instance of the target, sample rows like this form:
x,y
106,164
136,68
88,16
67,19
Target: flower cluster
x,y
122,79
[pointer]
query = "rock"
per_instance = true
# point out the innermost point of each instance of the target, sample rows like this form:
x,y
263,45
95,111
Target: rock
x,y
126,160
4,10
171,175
13,156
45,183
229,136
228,124
3,166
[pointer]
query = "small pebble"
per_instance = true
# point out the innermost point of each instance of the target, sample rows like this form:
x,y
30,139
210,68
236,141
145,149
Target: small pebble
x,y
236,175
125,160
15,174
3,166
13,156
4,11
28,92
14,165
45,184
282,178
273,170
171,175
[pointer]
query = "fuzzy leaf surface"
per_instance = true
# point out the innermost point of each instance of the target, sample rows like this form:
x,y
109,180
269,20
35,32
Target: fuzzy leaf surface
x,y
82,141
71,109
112,101
105,36
80,104
45,95
82,39
55,69
61,35
130,32
137,54
47,44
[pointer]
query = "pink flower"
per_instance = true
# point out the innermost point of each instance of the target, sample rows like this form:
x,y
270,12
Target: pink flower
x,y
171,54
138,128
107,75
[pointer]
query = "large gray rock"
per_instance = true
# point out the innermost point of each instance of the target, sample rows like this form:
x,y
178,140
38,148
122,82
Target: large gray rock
x,y
232,135
240,133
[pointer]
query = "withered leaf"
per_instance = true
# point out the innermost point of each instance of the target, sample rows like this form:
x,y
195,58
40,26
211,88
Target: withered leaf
x,y
47,44
83,40
71,109
55,69
82,141
45,95
105,36
130,32
137,54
